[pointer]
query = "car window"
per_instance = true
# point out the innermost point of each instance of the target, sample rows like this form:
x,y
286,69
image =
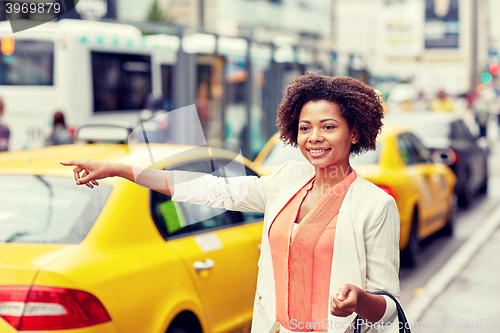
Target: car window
x,y
456,132
412,150
183,219
415,152
404,150
43,209
462,131
422,155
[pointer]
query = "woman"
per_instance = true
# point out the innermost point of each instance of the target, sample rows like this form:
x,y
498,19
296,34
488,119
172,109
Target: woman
x,y
329,237
60,134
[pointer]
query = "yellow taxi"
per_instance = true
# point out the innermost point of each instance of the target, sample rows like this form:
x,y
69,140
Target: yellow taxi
x,y
119,257
401,166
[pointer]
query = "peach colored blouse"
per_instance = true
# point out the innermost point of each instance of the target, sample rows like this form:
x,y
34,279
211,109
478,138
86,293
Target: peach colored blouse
x,y
302,262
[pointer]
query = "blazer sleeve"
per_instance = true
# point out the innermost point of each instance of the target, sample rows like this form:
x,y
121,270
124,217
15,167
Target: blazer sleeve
x,y
382,254
246,193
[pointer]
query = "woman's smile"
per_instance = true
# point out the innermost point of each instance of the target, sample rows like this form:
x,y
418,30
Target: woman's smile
x,y
317,153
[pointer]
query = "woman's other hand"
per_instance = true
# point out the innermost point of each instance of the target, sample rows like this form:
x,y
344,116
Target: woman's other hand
x,y
351,298
345,301
87,172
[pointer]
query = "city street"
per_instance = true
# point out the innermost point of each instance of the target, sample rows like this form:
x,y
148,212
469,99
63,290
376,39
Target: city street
x,y
437,251
368,131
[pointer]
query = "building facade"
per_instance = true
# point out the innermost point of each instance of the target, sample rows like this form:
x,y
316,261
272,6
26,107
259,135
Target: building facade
x,y
294,21
434,44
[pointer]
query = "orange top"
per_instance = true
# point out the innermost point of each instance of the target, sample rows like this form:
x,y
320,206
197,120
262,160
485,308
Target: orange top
x,y
302,260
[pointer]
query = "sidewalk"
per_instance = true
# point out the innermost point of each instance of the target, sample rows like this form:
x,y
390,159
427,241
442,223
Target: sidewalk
x,y
471,302
464,295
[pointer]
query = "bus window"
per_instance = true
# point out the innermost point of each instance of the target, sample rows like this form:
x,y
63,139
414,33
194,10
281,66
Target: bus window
x,y
120,81
166,86
31,63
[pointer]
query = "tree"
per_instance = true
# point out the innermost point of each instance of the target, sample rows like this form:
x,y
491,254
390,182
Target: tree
x,y
157,14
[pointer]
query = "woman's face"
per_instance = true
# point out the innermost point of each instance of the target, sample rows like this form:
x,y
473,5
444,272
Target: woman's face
x,y
324,137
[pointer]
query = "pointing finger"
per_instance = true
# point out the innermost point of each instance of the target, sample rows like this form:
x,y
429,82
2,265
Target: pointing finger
x,y
70,163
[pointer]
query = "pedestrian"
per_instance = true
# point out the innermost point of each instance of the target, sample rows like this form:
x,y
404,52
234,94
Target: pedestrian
x,y
443,103
4,129
483,105
60,134
330,237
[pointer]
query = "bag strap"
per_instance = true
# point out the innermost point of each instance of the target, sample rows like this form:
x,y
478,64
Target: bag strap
x,y
403,328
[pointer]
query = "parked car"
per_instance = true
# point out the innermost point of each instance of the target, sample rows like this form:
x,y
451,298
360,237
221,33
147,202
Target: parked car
x,y
401,166
451,142
120,257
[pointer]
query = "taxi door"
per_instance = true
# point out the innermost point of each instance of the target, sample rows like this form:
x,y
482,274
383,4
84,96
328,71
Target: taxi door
x,y
223,267
432,183
220,249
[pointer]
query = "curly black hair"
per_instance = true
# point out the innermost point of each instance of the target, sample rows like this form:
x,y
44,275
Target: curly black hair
x,y
358,103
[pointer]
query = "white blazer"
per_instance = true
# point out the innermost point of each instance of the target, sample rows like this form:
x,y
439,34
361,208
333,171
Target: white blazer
x,y
366,251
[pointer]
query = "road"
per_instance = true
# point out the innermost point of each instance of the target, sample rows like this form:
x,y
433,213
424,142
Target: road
x,y
437,250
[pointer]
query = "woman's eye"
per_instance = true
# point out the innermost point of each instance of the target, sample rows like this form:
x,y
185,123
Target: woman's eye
x,y
328,127
303,128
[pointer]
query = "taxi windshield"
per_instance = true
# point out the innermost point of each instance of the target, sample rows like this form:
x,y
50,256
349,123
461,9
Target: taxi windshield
x,y
46,209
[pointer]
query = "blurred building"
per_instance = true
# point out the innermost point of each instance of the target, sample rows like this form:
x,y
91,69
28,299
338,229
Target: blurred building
x,y
292,21
433,44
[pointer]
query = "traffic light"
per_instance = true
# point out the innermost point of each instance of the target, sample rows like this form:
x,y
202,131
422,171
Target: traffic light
x,y
7,46
495,69
486,78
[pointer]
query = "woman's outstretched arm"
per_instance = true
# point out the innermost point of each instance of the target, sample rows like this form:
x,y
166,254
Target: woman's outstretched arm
x,y
88,172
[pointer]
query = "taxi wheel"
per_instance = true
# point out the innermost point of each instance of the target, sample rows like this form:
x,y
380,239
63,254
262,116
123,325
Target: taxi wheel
x,y
409,255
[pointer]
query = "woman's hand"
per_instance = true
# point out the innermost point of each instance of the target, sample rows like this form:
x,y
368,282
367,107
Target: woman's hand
x,y
345,301
158,180
92,171
351,298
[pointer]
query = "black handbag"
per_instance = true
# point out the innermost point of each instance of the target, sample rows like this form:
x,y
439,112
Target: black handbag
x,y
403,323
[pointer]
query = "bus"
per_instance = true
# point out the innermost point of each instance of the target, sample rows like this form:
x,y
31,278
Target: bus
x,y
91,71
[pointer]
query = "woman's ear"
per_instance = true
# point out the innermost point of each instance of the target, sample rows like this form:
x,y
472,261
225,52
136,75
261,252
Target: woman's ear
x,y
354,136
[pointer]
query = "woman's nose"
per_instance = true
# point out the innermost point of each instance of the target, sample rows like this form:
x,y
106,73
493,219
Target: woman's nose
x,y
315,136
